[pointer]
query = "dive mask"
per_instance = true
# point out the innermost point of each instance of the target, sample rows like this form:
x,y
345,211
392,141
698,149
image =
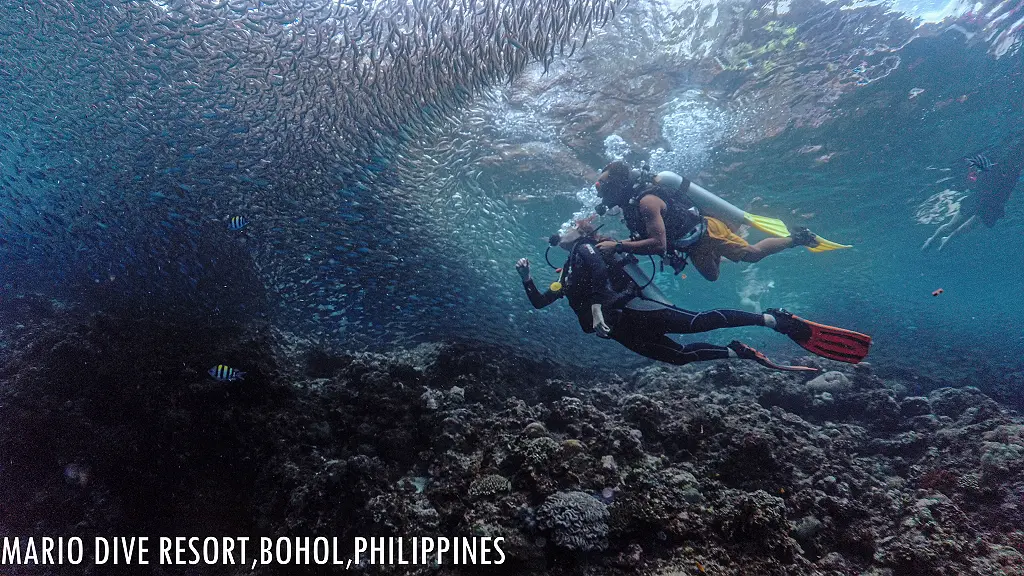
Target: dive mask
x,y
571,235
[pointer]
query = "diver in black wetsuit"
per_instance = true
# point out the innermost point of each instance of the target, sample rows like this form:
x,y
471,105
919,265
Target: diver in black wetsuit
x,y
608,302
991,185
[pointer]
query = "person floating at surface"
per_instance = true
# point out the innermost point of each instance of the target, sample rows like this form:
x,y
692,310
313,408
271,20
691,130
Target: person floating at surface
x,y
991,185
609,300
665,221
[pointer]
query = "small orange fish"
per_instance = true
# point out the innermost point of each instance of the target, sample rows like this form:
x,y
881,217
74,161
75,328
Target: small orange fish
x,y
700,568
937,292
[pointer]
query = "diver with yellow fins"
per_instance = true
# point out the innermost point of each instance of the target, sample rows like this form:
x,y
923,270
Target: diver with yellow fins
x,y
669,216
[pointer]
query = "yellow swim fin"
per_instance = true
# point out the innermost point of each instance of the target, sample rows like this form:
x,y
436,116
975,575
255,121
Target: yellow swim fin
x,y
777,228
772,226
826,245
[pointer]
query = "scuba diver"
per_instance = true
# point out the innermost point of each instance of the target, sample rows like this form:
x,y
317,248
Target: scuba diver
x,y
617,301
664,217
992,184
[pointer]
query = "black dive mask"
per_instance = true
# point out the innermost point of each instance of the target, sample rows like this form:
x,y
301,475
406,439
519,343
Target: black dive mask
x,y
612,194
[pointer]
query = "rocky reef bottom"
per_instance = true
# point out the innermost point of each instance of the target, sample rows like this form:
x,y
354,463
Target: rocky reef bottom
x,y
111,426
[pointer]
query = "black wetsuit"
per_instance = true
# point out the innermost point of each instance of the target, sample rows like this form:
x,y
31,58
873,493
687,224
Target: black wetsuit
x,y
586,281
994,187
638,324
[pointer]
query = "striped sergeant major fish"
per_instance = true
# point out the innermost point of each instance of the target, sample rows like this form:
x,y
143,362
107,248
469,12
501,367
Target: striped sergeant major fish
x,y
223,373
981,162
237,223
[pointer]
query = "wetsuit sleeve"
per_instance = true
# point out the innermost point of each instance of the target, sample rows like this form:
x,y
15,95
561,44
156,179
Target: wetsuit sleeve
x,y
536,298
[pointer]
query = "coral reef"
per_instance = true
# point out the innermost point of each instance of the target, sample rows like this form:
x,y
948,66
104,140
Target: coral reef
x,y
110,425
575,520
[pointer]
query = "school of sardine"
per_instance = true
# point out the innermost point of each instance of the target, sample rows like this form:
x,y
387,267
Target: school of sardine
x,y
156,152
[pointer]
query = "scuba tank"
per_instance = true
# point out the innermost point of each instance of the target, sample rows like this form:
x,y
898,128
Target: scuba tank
x,y
675,182
670,180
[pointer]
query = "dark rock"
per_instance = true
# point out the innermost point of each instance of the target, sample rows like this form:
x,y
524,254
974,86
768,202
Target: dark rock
x,y
644,413
535,430
952,402
914,406
807,528
758,520
882,409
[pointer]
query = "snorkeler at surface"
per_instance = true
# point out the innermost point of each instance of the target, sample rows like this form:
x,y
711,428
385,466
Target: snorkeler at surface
x,y
665,221
609,301
991,185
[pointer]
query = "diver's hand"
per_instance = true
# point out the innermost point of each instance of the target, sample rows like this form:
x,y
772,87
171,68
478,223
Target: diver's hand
x,y
607,247
600,327
523,267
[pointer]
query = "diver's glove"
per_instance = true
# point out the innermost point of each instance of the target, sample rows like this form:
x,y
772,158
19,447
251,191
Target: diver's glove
x,y
523,267
602,329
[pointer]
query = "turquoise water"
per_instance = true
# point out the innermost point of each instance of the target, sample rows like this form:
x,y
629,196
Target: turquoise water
x,y
888,155
386,211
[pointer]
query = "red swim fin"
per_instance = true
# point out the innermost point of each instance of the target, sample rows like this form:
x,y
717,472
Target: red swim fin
x,y
748,353
827,341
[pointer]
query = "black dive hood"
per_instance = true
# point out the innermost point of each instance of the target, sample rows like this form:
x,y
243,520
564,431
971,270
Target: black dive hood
x,y
637,179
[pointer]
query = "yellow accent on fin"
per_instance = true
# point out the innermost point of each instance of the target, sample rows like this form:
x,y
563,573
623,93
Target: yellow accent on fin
x,y
777,228
826,245
772,226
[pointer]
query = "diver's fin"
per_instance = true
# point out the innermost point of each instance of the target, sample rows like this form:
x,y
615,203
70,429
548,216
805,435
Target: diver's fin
x,y
748,353
826,341
826,245
772,226
778,228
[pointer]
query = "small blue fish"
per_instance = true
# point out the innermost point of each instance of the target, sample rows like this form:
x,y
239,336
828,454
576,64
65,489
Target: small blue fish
x,y
981,162
223,373
237,223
